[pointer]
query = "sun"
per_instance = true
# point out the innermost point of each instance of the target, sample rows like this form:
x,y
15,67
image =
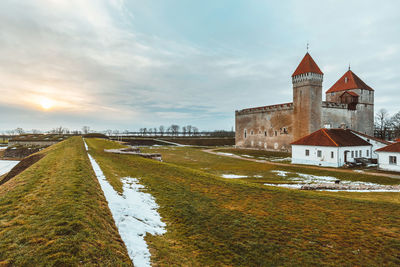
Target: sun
x,y
46,103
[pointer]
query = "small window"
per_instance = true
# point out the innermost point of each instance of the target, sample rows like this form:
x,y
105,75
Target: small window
x,y
251,132
319,153
346,79
245,133
393,160
367,153
265,133
307,152
332,154
352,154
356,154
276,133
360,153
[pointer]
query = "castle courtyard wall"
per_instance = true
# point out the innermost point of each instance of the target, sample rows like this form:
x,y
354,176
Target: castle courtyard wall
x,y
267,128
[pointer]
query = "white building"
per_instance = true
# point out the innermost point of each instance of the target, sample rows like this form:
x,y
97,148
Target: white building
x,y
389,157
330,148
375,142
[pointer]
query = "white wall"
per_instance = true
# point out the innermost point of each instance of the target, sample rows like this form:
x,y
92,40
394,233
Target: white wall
x,y
299,155
383,161
375,144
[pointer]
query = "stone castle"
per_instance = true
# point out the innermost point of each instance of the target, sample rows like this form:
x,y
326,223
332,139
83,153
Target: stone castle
x,y
349,104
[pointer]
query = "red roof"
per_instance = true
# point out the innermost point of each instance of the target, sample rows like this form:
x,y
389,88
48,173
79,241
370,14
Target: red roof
x,y
332,137
307,65
349,81
391,148
372,137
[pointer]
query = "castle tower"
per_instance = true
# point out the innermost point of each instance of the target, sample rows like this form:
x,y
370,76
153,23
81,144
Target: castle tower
x,y
307,97
359,97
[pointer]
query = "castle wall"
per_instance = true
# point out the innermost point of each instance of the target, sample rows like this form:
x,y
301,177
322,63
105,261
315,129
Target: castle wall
x,y
338,115
265,128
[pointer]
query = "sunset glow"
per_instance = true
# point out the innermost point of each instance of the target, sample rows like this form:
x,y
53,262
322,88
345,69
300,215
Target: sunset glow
x,y
46,103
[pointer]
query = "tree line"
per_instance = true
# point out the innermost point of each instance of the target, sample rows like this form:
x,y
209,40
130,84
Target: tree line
x,y
386,126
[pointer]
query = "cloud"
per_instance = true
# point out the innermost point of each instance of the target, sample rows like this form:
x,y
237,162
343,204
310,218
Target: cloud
x,y
132,64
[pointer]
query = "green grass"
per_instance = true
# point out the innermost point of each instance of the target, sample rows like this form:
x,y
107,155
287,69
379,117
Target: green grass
x,y
218,165
213,221
55,214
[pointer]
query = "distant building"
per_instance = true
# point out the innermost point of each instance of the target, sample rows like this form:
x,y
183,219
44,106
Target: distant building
x,y
330,148
349,104
389,157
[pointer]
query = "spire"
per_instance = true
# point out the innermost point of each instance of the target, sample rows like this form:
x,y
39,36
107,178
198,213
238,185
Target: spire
x,y
307,65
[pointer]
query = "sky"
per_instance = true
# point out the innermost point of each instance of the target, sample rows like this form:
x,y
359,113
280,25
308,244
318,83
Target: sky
x,y
129,64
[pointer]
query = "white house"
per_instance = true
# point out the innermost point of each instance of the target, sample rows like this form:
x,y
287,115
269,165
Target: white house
x,y
389,157
330,148
375,142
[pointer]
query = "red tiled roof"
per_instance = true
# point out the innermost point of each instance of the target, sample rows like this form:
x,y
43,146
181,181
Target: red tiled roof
x,y
331,137
391,148
352,82
307,65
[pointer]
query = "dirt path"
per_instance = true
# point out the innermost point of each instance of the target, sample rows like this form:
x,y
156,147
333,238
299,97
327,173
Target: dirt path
x,y
211,151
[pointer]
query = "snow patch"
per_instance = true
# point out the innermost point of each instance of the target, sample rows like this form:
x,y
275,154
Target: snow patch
x,y
225,154
233,176
295,186
280,173
135,214
7,165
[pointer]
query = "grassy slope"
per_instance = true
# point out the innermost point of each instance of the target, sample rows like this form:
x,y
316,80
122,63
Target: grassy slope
x,y
54,213
214,221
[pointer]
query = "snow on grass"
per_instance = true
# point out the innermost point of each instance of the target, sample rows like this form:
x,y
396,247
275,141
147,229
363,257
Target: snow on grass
x,y
7,165
247,156
233,176
294,186
135,214
281,159
280,173
303,179
225,154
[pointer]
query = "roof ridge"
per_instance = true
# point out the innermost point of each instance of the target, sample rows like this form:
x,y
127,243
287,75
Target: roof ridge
x,y
324,131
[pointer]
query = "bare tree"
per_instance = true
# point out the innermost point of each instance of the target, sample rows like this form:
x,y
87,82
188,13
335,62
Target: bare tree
x,y
85,129
195,131
19,130
109,132
382,123
184,131
189,129
161,130
174,129
35,131
395,124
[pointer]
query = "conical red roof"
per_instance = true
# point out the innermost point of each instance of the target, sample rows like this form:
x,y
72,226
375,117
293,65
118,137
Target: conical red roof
x,y
307,65
349,81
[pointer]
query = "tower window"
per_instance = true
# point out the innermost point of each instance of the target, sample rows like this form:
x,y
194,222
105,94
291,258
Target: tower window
x,y
265,133
245,133
346,79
